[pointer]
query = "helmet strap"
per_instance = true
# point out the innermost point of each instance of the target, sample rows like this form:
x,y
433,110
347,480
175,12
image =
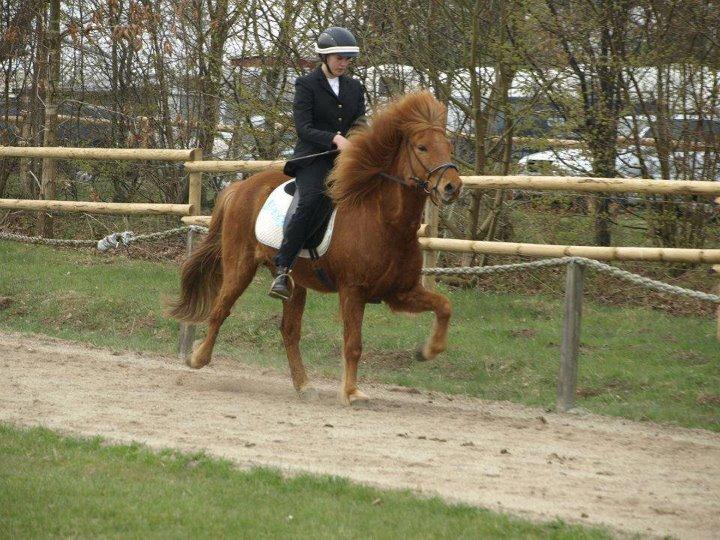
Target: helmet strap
x,y
327,71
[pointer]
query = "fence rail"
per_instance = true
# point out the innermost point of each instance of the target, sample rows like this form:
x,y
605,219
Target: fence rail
x,y
97,207
231,166
593,184
124,154
710,256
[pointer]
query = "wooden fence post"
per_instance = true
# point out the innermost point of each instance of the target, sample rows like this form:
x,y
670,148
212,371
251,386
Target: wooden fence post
x,y
567,378
432,219
187,331
716,270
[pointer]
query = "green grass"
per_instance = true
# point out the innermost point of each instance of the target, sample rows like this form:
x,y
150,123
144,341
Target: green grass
x,y
635,362
52,486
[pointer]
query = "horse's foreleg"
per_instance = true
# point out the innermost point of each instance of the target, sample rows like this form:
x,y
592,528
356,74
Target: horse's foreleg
x,y
290,328
352,309
234,283
418,300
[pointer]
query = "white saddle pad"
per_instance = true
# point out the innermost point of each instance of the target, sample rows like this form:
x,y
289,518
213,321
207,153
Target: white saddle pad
x,y
269,224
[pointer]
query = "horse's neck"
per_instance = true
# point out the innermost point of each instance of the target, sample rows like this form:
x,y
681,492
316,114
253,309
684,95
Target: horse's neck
x,y
401,208
393,211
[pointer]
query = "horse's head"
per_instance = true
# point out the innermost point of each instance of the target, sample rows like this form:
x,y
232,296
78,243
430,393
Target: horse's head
x,y
406,143
429,164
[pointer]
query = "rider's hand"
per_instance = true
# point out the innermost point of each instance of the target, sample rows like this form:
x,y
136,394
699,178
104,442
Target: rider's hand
x,y
340,141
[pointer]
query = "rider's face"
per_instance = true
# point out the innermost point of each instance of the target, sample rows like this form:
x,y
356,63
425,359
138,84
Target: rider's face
x,y
338,64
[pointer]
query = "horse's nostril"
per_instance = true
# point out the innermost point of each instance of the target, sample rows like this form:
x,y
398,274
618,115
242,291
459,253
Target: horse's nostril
x,y
449,188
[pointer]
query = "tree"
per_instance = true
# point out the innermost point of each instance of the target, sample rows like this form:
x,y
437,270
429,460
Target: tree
x,y
589,40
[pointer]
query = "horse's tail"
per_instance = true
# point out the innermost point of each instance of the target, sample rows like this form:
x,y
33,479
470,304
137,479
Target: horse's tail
x,y
202,272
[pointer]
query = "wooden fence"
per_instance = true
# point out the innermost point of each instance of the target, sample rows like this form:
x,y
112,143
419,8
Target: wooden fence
x,y
189,213
123,154
144,154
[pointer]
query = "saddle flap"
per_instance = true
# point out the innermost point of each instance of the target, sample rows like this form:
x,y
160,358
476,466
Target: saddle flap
x,y
275,215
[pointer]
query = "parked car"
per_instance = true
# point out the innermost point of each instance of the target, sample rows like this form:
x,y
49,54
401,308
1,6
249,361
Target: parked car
x,y
684,164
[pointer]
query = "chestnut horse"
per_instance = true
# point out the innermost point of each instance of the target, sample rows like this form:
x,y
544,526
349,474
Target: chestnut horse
x,y
379,184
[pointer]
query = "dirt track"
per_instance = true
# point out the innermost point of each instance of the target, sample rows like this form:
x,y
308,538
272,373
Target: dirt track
x,y
628,476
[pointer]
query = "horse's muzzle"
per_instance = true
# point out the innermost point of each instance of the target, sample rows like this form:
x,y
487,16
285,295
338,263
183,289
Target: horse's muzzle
x,y
450,192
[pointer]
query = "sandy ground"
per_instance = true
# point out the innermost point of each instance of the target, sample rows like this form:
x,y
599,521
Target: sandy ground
x,y
589,469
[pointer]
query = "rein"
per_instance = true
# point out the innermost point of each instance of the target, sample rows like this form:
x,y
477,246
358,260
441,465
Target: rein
x,y
414,181
327,153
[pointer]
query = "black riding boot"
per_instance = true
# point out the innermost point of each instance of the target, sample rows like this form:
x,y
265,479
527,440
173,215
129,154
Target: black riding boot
x,y
282,285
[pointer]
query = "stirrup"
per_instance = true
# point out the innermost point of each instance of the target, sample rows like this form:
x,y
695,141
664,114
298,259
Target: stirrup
x,y
286,292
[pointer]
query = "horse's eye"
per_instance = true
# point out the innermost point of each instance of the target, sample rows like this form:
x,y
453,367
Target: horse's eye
x,y
422,148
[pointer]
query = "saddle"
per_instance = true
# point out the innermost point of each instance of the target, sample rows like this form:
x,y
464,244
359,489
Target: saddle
x,y
275,215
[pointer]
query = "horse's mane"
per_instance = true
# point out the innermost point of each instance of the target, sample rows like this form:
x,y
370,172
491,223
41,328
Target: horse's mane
x,y
374,147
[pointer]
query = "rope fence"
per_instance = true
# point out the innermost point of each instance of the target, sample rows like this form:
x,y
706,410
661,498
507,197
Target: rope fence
x,y
110,241
582,261
127,238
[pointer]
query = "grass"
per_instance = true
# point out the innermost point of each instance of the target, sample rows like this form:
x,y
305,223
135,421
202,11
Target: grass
x,y
635,362
53,486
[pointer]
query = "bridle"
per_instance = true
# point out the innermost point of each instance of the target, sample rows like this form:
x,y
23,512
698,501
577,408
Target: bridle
x,y
414,181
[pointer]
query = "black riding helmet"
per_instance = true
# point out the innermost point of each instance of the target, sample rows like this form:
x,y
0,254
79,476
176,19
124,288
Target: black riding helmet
x,y
337,40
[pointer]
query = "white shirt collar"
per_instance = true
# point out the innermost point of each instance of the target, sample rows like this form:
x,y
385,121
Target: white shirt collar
x,y
335,85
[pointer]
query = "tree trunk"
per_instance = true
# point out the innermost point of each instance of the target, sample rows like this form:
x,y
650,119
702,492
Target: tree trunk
x,y
26,179
49,169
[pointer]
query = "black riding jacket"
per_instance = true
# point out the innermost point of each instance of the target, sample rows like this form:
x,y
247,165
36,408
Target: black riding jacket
x,y
320,115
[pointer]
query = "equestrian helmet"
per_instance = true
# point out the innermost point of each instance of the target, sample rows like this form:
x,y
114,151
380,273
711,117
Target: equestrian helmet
x,y
337,40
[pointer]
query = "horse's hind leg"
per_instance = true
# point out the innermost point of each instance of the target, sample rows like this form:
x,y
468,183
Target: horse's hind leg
x,y
290,328
236,278
418,300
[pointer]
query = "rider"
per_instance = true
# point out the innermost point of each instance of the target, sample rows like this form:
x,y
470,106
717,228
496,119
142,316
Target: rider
x,y
327,103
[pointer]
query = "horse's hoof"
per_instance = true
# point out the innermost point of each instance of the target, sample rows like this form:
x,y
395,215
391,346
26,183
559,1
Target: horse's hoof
x,y
420,355
357,400
194,360
197,364
309,394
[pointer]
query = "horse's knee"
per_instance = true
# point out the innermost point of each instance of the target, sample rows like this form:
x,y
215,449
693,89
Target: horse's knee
x,y
443,309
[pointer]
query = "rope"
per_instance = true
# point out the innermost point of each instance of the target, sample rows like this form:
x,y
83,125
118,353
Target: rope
x,y
128,237
110,241
596,265
478,270
46,241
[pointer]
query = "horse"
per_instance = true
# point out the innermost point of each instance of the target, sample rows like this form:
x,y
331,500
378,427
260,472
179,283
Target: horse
x,y
379,185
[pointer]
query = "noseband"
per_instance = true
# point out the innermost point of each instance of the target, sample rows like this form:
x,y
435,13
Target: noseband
x,y
415,181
